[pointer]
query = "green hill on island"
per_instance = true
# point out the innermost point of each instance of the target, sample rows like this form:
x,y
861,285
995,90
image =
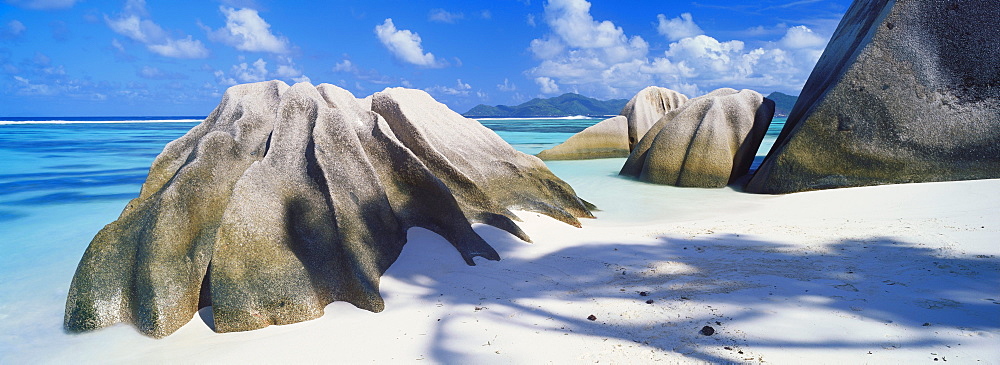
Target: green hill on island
x,y
783,103
575,104
564,105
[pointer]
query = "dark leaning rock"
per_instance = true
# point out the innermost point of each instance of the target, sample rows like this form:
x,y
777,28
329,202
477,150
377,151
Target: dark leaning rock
x,y
708,142
646,108
906,91
607,139
288,198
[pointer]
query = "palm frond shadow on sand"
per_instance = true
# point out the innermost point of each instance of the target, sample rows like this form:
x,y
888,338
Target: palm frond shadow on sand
x,y
724,281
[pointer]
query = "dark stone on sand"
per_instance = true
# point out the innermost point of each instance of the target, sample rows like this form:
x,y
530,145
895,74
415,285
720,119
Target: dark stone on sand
x,y
707,331
592,317
906,91
286,199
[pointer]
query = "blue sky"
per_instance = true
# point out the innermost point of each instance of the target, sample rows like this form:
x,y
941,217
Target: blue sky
x,y
162,58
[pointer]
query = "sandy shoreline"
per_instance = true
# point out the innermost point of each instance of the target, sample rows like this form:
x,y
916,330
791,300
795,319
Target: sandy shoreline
x,y
894,274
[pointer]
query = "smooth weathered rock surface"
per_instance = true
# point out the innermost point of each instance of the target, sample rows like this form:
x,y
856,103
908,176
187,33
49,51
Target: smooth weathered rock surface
x,y
606,139
646,108
708,142
485,173
288,198
906,91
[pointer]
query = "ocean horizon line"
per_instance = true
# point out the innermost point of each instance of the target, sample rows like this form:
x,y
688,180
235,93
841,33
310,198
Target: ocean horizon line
x,y
191,119
100,120
566,117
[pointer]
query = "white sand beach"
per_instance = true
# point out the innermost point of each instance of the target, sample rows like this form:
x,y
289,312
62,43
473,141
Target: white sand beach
x,y
886,274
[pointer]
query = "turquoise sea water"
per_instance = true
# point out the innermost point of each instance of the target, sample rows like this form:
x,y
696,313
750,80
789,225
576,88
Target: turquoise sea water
x,y
534,135
62,182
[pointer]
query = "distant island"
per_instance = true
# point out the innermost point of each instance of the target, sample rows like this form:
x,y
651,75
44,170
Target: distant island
x,y
783,103
575,104
563,105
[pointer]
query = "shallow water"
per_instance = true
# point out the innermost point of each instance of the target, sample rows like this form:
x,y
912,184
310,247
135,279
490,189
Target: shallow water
x,y
60,183
534,135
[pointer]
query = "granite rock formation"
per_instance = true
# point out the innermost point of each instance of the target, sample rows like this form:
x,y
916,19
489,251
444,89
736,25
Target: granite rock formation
x,y
646,108
709,142
606,139
286,199
906,91
484,173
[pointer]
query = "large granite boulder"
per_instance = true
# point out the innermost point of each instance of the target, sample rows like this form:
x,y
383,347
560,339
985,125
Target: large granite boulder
x,y
288,198
483,172
906,91
709,142
646,108
607,139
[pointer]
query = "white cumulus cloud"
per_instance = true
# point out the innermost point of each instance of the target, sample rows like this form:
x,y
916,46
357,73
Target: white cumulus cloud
x,y
597,57
251,73
43,4
344,66
444,16
405,45
141,30
257,71
180,48
574,27
245,30
223,79
288,70
802,37
460,88
582,51
13,29
366,76
134,25
678,28
154,73
150,72
507,86
26,87
547,85
118,45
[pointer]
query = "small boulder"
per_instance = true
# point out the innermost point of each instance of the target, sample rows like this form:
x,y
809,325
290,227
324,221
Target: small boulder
x,y
646,108
708,142
607,139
